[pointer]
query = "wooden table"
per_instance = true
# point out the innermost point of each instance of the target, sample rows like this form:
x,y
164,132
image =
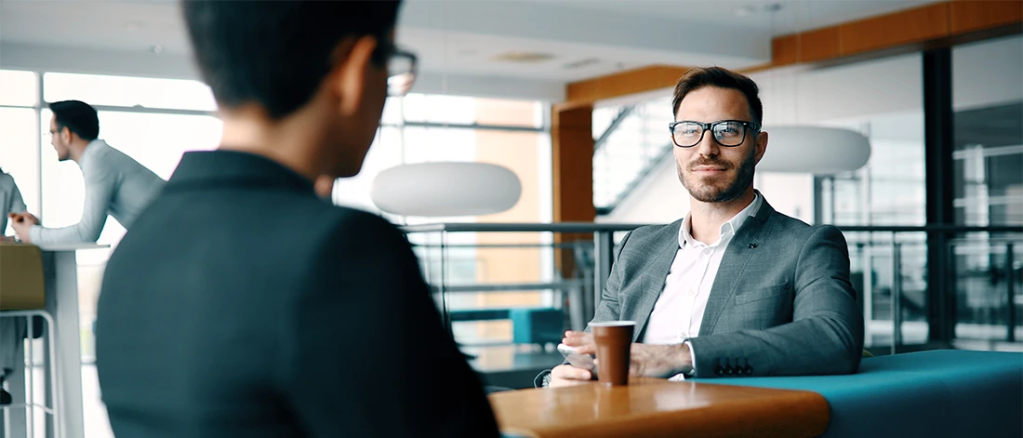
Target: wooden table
x,y
658,408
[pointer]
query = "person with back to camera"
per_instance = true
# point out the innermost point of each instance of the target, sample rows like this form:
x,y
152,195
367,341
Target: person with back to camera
x,y
241,304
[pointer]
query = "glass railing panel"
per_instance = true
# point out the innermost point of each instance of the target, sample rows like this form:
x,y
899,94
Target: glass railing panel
x,y
988,278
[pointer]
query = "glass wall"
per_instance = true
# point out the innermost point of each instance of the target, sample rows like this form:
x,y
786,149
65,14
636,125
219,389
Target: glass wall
x,y
988,187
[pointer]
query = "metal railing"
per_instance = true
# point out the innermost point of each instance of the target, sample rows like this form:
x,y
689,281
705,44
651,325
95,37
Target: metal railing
x,y
980,300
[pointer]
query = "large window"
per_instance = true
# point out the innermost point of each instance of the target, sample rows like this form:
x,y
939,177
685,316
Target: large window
x,y
18,88
988,187
19,152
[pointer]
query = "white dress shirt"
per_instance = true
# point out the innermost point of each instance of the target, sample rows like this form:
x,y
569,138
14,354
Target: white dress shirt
x,y
115,185
678,313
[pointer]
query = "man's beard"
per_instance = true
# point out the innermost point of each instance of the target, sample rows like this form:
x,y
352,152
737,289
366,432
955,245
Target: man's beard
x,y
714,193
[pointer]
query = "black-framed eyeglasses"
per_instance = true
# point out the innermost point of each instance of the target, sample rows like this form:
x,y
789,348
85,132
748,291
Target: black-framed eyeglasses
x,y
401,72
728,133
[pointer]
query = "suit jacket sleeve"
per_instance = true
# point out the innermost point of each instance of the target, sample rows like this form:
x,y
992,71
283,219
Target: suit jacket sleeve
x,y
609,308
367,354
825,335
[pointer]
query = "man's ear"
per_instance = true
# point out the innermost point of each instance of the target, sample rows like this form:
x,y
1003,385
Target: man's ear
x,y
761,146
353,58
65,135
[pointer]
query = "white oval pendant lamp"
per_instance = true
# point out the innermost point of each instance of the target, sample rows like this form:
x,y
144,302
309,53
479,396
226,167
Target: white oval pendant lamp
x,y
810,149
814,149
446,189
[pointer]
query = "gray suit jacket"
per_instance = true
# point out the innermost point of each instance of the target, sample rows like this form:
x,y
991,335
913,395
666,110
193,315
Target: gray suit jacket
x,y
781,303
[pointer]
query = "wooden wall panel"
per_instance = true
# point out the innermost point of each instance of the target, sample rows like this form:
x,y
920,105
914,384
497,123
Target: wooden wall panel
x,y
939,24
818,45
624,83
969,16
886,31
572,175
572,149
784,50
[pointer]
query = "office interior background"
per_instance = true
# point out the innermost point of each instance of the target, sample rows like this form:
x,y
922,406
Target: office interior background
x,y
933,220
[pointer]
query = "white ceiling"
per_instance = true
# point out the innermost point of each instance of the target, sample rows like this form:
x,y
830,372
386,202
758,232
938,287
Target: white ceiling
x,y
793,16
455,38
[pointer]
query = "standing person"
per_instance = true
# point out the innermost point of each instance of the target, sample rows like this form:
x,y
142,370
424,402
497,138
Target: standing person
x,y
115,184
240,304
12,330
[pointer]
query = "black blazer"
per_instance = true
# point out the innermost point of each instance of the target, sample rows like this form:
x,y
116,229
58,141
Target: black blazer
x,y
241,305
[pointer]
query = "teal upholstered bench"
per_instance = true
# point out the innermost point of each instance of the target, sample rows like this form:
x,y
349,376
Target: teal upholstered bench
x,y
943,393
530,325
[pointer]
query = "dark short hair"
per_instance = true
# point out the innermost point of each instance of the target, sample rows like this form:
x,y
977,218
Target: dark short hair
x,y
277,53
723,78
78,116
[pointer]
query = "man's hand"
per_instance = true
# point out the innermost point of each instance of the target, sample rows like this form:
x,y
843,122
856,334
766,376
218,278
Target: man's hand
x,y
568,375
22,224
660,360
646,360
582,341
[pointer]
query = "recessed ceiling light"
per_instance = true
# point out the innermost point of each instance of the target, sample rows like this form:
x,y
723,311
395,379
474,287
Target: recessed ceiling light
x,y
773,7
523,57
468,52
157,49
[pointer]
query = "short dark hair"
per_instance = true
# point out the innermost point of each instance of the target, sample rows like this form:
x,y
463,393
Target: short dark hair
x,y
277,53
723,78
78,116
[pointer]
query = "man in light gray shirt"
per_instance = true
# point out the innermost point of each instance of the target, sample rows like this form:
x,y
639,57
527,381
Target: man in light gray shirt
x,y
115,184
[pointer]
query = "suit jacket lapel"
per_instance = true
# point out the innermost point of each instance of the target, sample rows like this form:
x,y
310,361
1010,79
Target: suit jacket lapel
x,y
652,280
739,252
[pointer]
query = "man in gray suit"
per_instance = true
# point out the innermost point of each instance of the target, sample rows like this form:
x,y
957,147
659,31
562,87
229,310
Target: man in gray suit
x,y
734,288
